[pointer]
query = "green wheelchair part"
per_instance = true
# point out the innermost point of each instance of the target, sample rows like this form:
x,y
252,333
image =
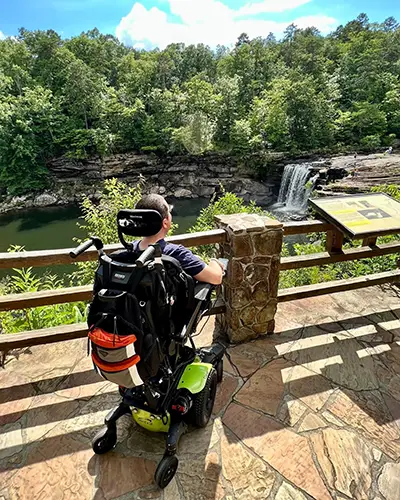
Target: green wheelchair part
x,y
193,379
151,422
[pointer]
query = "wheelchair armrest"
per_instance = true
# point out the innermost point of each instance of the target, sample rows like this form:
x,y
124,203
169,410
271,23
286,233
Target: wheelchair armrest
x,y
202,291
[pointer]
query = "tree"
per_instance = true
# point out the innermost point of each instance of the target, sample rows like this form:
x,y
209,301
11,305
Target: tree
x,y
294,115
29,128
102,53
391,106
364,120
304,92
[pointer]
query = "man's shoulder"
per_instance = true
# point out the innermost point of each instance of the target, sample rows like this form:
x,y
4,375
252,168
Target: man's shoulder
x,y
174,249
192,264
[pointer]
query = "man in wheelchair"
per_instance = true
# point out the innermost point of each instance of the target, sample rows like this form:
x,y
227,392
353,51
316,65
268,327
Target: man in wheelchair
x,y
147,302
191,264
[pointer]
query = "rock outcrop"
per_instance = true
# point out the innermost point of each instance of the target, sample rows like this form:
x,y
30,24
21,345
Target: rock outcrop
x,y
176,176
358,174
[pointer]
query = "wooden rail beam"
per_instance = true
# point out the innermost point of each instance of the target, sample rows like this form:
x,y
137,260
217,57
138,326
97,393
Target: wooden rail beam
x,y
62,333
303,292
45,298
305,227
42,258
323,258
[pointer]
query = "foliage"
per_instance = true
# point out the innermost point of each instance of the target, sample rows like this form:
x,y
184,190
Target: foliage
x,y
228,203
25,280
91,95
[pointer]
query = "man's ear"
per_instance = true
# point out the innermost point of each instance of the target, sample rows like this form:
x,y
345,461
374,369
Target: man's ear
x,y
165,223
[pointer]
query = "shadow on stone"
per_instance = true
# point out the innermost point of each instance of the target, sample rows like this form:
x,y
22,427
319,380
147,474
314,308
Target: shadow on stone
x,y
357,357
47,386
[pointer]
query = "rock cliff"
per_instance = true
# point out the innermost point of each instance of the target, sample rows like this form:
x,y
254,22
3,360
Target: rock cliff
x,y
174,177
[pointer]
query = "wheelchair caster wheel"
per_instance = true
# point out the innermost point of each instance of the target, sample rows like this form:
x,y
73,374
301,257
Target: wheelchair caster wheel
x,y
220,370
105,440
165,471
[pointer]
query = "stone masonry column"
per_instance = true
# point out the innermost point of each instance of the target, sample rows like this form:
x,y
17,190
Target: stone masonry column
x,y
253,247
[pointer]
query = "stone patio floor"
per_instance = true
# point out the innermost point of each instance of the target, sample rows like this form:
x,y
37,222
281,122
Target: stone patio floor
x,y
311,412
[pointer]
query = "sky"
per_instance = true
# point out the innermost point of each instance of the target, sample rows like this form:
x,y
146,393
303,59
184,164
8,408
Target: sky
x,y
156,23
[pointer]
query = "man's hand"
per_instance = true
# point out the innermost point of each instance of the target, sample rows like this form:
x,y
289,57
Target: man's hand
x,y
219,263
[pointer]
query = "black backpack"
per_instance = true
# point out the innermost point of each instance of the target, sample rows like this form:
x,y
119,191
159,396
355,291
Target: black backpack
x,y
134,314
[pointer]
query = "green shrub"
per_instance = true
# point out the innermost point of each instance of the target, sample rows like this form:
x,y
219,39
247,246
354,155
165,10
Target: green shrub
x,y
25,280
228,203
371,142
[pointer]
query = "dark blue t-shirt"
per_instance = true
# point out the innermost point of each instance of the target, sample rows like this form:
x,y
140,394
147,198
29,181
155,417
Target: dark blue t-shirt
x,y
191,264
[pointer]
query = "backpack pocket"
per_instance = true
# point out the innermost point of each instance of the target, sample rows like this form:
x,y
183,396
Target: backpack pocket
x,y
115,358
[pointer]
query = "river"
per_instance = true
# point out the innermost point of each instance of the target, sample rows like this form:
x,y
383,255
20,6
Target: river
x,y
48,228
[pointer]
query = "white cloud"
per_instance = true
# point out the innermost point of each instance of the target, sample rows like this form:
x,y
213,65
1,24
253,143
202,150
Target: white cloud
x,y
2,35
254,8
210,22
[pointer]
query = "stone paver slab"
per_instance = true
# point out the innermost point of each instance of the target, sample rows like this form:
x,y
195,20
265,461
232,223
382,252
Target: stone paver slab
x,y
284,450
16,394
287,492
335,357
200,477
389,481
58,470
266,388
248,358
225,391
38,364
312,389
11,440
291,411
368,414
345,460
120,474
247,474
312,422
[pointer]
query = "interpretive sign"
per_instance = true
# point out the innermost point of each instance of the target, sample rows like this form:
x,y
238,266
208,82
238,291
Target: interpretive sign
x,y
361,216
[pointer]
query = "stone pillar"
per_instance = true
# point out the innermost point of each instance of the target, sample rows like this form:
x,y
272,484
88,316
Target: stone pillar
x,y
253,247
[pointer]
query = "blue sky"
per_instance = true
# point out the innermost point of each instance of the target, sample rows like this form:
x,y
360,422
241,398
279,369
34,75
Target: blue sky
x,y
147,23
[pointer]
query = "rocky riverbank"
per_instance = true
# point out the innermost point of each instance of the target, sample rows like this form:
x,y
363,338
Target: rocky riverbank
x,y
173,177
197,177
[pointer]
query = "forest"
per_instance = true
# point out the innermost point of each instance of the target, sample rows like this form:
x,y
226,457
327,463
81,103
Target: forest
x,y
92,96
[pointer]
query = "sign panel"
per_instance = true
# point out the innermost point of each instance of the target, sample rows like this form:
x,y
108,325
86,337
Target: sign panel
x,y
361,216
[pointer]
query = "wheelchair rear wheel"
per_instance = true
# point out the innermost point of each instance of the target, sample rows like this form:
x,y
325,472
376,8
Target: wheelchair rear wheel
x,y
203,402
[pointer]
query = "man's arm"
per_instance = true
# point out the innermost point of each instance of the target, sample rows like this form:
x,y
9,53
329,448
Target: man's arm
x,y
212,273
196,267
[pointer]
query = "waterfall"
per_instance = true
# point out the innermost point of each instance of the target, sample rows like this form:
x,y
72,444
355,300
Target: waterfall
x,y
296,187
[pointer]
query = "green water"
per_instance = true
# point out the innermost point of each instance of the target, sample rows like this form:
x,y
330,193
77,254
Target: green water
x,y
48,228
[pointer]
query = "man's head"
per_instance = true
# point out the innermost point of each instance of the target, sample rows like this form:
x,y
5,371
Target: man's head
x,y
158,203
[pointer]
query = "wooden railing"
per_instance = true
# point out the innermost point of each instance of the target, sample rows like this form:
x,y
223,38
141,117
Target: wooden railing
x,y
73,294
43,258
334,253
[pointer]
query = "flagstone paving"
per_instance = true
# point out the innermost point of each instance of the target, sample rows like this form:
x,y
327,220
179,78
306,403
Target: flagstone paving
x,y
312,412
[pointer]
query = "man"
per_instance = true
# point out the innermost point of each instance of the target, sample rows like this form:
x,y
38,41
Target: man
x,y
191,264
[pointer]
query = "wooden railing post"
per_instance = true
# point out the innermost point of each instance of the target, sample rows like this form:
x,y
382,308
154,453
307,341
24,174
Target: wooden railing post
x,y
369,242
253,246
334,241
